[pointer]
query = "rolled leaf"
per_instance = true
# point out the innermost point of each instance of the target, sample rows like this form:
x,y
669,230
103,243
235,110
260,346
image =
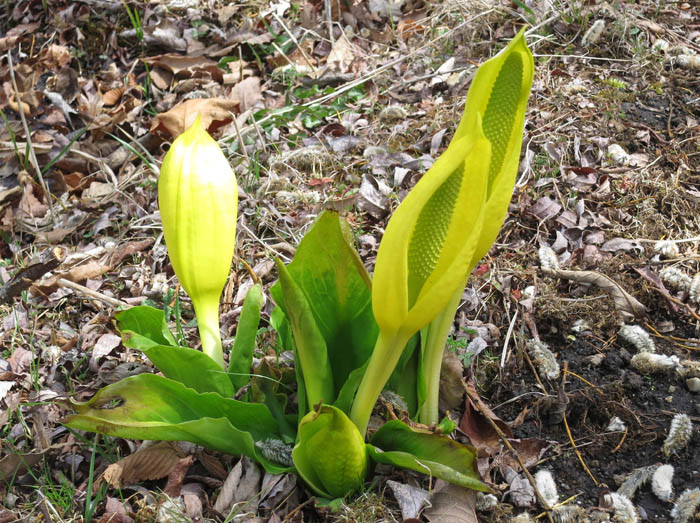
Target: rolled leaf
x,y
198,200
311,353
246,332
330,453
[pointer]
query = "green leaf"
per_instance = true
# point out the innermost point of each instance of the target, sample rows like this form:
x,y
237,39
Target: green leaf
x,y
148,322
311,354
396,443
148,406
330,453
244,344
404,380
190,367
329,272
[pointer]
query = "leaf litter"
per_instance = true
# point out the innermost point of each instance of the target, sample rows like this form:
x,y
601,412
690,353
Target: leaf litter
x,y
607,173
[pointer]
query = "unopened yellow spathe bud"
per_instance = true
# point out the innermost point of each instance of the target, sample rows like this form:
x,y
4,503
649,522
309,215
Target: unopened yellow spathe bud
x,y
198,199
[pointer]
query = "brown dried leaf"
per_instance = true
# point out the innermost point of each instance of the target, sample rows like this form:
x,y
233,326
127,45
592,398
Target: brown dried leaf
x,y
212,464
153,462
624,302
223,502
14,465
115,512
480,432
247,93
215,112
187,66
177,476
87,271
112,96
452,504
544,209
451,387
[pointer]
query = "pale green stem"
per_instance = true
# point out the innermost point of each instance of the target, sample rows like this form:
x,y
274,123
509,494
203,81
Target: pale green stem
x,y
431,359
207,311
385,356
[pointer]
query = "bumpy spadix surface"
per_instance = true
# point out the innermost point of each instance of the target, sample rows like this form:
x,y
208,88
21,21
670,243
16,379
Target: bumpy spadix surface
x,y
501,111
430,232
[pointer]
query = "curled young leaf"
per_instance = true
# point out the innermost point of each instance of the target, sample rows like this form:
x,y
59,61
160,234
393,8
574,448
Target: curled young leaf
x,y
330,453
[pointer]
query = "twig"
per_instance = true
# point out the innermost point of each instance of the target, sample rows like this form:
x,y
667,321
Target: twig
x,y
32,154
93,294
307,59
568,431
504,439
622,440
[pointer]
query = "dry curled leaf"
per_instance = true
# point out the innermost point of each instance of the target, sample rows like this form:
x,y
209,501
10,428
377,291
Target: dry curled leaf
x,y
154,462
215,112
480,432
624,302
452,504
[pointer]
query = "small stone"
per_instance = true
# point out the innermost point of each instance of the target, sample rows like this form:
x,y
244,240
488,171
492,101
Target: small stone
x,y
693,384
668,399
393,113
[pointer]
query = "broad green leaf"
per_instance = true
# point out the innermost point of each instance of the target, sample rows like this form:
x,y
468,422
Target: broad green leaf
x,y
312,353
329,272
246,332
330,453
148,406
396,443
190,367
148,322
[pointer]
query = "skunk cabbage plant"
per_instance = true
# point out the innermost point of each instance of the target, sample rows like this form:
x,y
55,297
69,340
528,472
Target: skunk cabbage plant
x,y
446,223
351,336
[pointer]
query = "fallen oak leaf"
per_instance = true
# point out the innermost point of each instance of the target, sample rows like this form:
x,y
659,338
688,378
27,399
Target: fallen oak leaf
x,y
624,301
154,462
215,113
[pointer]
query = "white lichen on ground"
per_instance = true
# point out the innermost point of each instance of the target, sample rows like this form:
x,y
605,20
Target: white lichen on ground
x,y
678,435
667,248
548,258
662,482
685,506
675,278
543,358
636,479
647,363
548,489
624,508
638,337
